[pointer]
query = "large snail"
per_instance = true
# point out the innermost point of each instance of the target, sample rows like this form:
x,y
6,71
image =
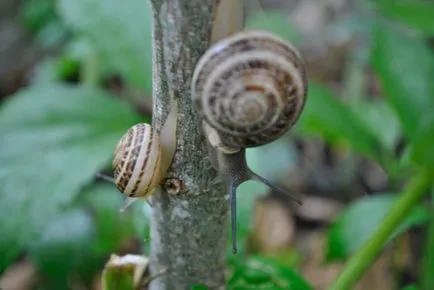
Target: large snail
x,y
250,89
142,157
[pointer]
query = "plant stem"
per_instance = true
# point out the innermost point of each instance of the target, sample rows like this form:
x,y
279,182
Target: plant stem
x,y
189,229
358,263
427,282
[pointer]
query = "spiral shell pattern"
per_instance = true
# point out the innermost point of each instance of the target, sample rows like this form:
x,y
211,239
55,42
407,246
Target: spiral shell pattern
x,y
137,161
251,87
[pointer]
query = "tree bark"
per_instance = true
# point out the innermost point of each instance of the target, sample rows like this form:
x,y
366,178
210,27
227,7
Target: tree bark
x,y
189,216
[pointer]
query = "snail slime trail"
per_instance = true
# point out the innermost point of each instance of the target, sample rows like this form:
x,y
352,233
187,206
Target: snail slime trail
x,y
249,89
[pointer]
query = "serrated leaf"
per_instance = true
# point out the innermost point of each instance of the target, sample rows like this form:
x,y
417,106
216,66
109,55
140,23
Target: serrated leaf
x,y
416,14
406,73
265,273
355,226
324,114
55,138
120,32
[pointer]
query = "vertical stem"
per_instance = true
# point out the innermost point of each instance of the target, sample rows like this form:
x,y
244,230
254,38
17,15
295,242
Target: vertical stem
x,y
358,263
427,280
188,230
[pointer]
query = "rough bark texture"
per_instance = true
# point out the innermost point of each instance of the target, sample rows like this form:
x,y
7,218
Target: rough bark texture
x,y
188,230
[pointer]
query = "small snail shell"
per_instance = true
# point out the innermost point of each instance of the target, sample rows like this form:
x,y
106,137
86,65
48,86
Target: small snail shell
x,y
142,157
250,87
137,161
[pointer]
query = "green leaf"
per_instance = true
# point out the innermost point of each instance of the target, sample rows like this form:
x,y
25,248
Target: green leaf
x,y
416,14
324,114
54,69
90,240
199,287
105,201
55,138
37,13
412,287
121,33
405,73
51,36
380,119
355,226
421,147
265,273
64,244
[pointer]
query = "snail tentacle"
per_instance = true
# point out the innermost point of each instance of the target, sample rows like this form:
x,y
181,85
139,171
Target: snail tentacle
x,y
234,171
105,177
232,190
275,187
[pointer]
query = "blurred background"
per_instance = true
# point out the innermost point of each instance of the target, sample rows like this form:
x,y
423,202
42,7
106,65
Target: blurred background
x,y
74,75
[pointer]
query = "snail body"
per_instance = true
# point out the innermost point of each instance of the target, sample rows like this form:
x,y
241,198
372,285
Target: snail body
x,y
249,88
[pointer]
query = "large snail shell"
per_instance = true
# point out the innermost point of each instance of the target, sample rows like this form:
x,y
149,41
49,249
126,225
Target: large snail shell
x,y
250,87
137,161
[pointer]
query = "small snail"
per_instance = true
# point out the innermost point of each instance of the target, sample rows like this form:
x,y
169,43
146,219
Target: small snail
x,y
142,157
249,88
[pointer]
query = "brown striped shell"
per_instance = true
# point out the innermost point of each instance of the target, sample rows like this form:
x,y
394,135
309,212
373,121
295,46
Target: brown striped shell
x,y
137,161
250,87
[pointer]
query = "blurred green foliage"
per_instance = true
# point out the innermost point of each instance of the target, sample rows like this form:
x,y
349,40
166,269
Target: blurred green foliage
x,y
56,135
416,14
128,23
427,281
40,18
265,273
356,224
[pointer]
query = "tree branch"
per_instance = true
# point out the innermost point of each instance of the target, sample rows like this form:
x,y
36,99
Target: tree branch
x,y
188,229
